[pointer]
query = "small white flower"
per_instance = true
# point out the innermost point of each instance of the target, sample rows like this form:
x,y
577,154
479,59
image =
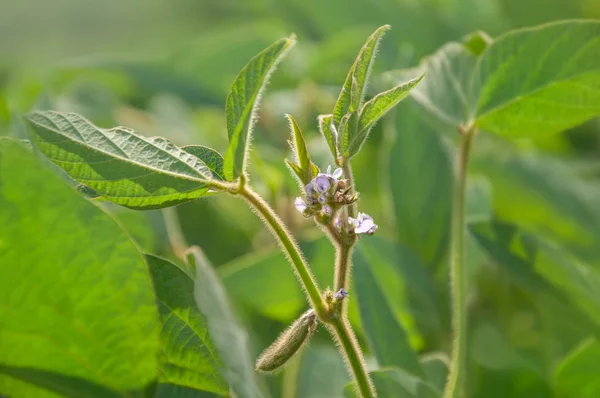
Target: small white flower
x,y
363,224
300,205
337,173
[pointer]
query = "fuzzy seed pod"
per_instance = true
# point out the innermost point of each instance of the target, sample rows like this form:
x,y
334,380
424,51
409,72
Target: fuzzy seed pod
x,y
288,343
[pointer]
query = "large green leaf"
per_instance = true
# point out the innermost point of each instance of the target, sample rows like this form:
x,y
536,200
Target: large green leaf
x,y
211,158
75,295
576,375
229,337
118,164
322,372
387,337
188,357
398,384
539,80
242,103
67,386
420,176
532,82
353,90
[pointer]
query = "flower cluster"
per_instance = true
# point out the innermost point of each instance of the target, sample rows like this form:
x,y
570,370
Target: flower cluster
x,y
325,195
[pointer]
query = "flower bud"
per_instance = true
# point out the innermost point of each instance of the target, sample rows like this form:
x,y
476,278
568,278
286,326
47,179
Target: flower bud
x,y
288,343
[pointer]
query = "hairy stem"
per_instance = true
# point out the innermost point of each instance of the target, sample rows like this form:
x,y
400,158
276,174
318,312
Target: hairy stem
x,y
350,209
458,277
353,355
342,266
290,247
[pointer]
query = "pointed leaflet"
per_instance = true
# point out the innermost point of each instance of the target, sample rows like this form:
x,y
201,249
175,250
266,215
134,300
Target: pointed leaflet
x,y
329,132
118,164
353,91
211,158
375,109
187,356
305,169
242,103
75,295
540,80
230,338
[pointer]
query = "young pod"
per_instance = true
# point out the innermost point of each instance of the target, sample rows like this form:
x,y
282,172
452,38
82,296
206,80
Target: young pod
x,y
288,343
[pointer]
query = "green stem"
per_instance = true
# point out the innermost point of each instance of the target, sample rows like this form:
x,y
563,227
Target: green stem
x,y
353,355
342,266
290,247
458,277
351,209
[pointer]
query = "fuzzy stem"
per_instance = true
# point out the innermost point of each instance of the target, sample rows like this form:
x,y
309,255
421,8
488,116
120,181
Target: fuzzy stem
x,y
458,277
353,355
342,266
290,247
351,209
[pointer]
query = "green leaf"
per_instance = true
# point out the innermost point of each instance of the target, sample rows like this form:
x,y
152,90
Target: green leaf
x,y
211,158
118,164
347,129
229,337
305,169
540,80
375,109
398,384
577,374
242,103
542,267
420,160
187,357
445,92
350,98
327,128
490,349
386,335
531,82
69,263
66,386
435,366
322,372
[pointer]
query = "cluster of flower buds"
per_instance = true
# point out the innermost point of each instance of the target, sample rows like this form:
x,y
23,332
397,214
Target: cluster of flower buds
x,y
324,195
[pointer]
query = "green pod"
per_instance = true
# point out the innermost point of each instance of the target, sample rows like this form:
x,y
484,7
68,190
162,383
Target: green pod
x,y
288,343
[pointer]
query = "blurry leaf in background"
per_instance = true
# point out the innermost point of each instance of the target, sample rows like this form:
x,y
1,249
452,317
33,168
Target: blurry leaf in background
x,y
242,103
73,285
120,165
490,349
397,383
540,193
387,337
577,374
229,337
188,357
435,366
322,372
420,180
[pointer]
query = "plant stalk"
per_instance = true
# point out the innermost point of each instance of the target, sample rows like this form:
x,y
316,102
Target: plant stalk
x,y
353,355
458,278
290,247
342,266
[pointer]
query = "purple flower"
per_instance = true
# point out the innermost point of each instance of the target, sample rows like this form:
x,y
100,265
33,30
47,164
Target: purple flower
x,y
341,294
363,224
337,173
321,183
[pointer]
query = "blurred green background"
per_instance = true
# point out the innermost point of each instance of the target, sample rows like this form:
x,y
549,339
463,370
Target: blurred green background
x,y
165,67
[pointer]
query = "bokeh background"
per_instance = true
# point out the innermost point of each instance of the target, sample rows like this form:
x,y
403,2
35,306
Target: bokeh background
x,y
164,67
